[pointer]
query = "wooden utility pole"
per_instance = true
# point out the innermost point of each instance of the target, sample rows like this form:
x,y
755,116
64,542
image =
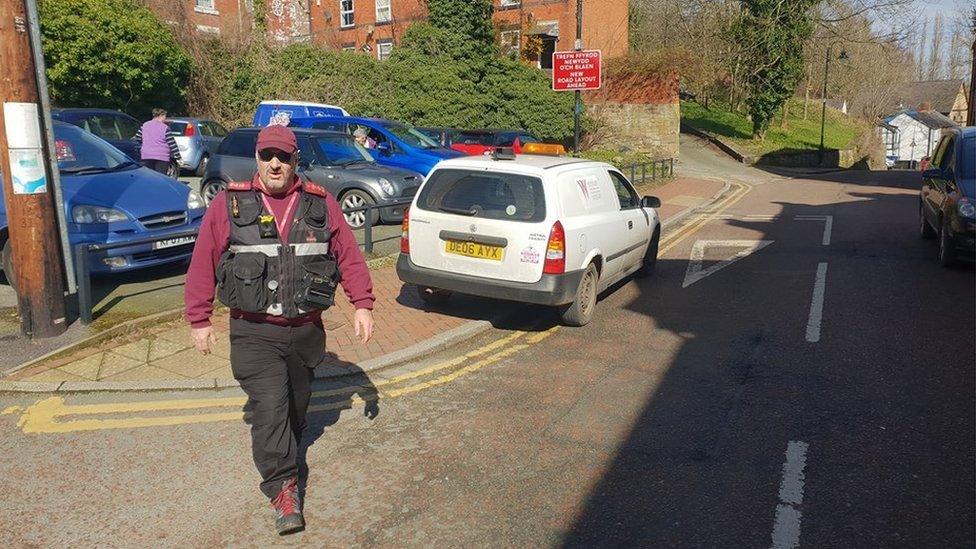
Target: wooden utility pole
x,y
27,189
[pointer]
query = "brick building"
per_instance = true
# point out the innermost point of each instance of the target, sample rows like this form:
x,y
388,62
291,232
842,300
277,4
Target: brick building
x,y
534,28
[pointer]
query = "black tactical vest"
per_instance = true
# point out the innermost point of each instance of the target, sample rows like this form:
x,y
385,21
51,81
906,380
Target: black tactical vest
x,y
258,274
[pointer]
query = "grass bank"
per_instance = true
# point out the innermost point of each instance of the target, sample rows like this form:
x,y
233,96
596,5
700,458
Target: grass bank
x,y
840,131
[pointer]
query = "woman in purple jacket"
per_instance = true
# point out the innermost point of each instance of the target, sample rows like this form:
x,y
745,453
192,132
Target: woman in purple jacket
x,y
158,148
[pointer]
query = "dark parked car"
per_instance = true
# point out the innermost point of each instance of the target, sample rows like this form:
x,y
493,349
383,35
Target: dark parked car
x,y
116,127
109,198
198,139
947,204
331,159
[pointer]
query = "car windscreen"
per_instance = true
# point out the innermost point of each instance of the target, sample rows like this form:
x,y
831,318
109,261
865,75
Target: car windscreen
x,y
474,138
488,195
967,161
411,136
341,150
81,152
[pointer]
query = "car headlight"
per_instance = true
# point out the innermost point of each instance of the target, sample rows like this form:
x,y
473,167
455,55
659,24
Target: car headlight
x,y
96,214
386,186
195,201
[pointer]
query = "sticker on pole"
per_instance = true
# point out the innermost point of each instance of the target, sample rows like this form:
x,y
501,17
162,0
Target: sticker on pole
x,y
23,126
576,70
27,171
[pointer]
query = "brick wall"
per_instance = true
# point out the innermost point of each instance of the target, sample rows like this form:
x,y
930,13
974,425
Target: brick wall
x,y
322,21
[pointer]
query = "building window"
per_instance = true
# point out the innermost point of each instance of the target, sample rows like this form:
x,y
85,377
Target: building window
x,y
346,10
205,6
349,47
511,42
383,11
207,29
383,49
510,3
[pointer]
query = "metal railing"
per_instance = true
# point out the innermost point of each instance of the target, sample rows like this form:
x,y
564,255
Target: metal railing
x,y
639,172
368,224
84,253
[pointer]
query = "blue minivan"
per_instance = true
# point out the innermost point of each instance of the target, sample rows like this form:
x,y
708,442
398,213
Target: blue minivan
x,y
391,143
109,198
283,111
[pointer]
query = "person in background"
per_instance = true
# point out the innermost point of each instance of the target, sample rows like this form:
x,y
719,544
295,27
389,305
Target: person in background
x,y
362,137
158,148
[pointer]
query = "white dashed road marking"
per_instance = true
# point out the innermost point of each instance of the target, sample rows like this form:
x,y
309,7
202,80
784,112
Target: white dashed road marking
x,y
816,304
786,529
828,225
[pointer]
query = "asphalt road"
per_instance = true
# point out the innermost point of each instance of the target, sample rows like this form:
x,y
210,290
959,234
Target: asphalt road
x,y
817,391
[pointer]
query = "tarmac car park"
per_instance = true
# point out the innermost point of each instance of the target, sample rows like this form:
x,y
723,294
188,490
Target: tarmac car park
x,y
536,229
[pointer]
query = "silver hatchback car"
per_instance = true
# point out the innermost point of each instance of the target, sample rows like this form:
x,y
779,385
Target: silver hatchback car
x,y
198,139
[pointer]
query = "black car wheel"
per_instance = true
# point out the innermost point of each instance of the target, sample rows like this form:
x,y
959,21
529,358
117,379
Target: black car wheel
x,y
202,167
650,256
8,264
356,198
580,311
210,189
924,229
947,250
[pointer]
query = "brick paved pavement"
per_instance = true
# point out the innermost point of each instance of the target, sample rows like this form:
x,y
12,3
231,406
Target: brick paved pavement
x,y
163,353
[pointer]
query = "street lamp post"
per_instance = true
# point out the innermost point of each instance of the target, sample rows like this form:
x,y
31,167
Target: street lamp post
x,y
823,96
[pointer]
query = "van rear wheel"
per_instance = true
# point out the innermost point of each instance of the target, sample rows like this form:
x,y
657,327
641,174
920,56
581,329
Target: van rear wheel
x,y
580,311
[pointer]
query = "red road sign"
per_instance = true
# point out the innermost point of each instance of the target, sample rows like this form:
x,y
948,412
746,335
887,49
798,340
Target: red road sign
x,y
576,70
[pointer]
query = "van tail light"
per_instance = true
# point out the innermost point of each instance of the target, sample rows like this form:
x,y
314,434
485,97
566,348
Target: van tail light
x,y
555,251
190,130
405,234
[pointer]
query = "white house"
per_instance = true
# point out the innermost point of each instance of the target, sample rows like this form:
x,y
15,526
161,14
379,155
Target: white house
x,y
911,135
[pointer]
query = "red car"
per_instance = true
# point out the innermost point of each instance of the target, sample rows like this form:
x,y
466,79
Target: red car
x,y
476,142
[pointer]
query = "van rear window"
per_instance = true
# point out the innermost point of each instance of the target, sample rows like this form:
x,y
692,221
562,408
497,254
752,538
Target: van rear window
x,y
487,195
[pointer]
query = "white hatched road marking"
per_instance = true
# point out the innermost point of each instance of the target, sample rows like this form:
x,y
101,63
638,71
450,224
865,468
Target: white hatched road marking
x,y
786,528
695,271
816,304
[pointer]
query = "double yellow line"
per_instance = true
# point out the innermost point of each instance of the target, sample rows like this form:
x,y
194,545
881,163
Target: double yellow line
x,y
672,240
47,415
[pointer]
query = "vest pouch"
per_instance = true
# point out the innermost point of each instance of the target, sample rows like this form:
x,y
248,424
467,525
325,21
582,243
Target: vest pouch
x,y
249,273
226,289
318,285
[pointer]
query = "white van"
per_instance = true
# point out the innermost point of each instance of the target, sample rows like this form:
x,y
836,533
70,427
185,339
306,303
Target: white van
x,y
535,229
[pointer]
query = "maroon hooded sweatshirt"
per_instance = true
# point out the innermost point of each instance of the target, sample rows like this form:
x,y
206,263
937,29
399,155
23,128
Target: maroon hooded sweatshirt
x,y
214,239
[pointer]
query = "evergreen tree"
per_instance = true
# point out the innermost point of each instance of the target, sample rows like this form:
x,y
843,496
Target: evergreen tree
x,y
772,34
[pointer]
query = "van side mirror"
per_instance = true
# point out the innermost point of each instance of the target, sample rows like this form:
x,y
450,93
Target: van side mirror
x,y
650,202
932,173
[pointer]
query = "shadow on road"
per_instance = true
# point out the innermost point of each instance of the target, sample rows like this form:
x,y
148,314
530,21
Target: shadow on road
x,y
884,399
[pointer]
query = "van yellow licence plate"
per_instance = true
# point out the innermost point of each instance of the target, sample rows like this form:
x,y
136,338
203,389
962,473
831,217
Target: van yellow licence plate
x,y
474,249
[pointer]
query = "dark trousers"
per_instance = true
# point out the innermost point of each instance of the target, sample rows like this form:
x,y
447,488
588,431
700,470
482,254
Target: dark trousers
x,y
274,365
161,166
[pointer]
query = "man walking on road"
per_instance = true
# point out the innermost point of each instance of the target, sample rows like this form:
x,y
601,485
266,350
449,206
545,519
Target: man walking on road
x,y
275,247
158,148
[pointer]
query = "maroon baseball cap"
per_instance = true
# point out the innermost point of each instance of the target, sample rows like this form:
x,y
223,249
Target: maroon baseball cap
x,y
277,137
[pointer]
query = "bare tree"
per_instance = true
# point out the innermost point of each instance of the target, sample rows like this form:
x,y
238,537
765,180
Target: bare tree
x,y
934,69
920,52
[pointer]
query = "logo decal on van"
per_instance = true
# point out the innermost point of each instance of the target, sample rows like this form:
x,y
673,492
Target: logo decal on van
x,y
530,255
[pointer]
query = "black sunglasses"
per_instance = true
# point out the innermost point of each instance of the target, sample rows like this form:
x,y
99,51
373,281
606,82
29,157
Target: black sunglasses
x,y
267,154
